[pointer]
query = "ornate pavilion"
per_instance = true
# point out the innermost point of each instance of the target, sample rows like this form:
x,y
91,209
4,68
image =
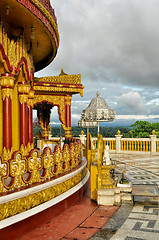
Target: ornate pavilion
x,y
31,183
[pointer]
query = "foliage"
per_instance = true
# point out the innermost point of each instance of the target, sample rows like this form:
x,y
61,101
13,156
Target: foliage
x,y
142,129
76,131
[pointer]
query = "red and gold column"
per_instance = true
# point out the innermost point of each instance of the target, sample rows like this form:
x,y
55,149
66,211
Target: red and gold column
x,y
30,118
7,84
67,127
23,89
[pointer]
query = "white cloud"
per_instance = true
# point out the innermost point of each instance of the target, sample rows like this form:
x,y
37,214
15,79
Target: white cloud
x,y
114,45
133,102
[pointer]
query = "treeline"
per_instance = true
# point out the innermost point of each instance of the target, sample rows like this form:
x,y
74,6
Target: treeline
x,y
140,129
76,131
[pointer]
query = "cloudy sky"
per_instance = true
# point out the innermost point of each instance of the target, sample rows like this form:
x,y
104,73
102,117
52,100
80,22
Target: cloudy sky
x,y
114,45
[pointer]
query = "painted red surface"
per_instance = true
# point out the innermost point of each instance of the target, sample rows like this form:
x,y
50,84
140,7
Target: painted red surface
x,y
7,123
81,221
23,124
30,224
68,115
30,122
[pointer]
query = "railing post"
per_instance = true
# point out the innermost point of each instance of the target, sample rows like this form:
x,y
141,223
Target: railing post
x,y
118,142
153,143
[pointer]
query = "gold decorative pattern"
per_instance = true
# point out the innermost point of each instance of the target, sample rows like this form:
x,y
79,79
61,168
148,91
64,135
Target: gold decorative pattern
x,y
34,166
68,100
7,154
56,100
48,162
7,81
48,16
59,89
3,172
23,98
14,49
75,79
17,170
7,92
20,170
23,88
25,203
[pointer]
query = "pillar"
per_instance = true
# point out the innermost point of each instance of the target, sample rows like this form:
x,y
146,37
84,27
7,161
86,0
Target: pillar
x,y
118,142
30,118
23,89
153,143
7,83
68,116
46,121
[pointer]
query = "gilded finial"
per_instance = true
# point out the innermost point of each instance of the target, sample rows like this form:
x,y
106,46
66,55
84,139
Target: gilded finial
x,y
82,132
98,94
153,132
118,132
62,72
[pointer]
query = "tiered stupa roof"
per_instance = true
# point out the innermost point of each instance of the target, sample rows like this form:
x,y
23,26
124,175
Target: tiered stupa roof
x,y
98,110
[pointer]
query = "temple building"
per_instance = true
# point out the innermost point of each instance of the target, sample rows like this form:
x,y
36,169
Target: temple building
x,y
29,40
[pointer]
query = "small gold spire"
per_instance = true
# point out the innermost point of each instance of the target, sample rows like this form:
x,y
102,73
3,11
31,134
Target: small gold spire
x,y
118,132
62,72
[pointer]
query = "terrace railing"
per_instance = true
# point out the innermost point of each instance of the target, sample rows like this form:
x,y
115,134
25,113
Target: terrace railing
x,y
129,145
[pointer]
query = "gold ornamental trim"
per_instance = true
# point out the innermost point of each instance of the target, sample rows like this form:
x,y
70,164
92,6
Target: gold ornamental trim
x,y
48,16
23,88
7,154
25,203
25,150
31,94
59,89
7,81
74,79
56,100
68,100
23,98
7,92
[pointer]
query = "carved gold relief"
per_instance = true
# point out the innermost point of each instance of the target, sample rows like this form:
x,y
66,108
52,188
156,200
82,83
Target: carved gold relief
x,y
48,162
20,205
75,79
38,167
7,154
7,92
56,100
23,88
34,167
23,98
59,160
59,89
14,49
7,81
48,16
3,172
17,170
68,100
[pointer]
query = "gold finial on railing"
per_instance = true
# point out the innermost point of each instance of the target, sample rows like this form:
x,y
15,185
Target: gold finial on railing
x,y
118,132
153,132
82,132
